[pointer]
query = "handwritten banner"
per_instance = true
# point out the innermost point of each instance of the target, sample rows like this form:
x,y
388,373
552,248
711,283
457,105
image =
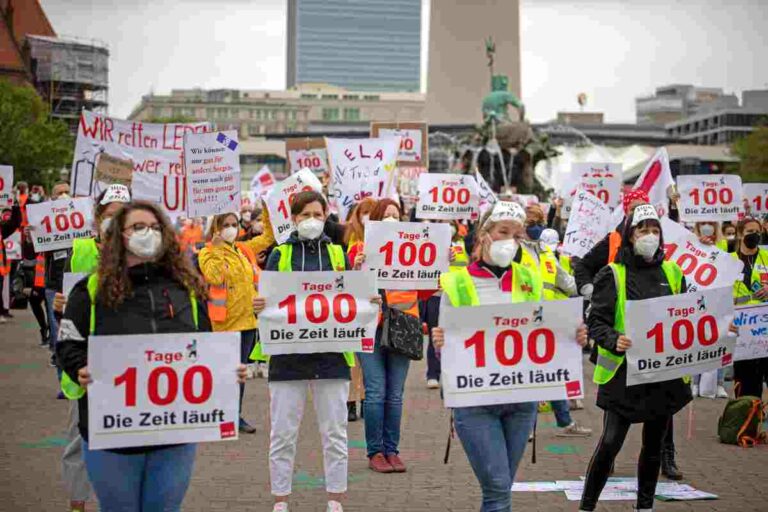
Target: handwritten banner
x,y
154,389
679,335
56,224
309,153
709,197
588,224
413,141
407,255
212,164
309,312
756,195
752,322
110,169
6,185
511,353
448,197
279,201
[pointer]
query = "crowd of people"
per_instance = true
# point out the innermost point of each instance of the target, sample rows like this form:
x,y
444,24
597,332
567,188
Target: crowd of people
x,y
147,274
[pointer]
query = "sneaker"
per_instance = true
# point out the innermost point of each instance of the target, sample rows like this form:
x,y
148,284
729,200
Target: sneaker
x,y
694,390
52,361
280,507
721,392
3,320
334,506
396,462
262,370
77,506
379,464
433,384
246,427
574,430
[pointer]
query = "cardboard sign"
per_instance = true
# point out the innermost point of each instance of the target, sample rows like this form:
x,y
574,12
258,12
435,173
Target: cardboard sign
x,y
709,197
309,153
704,266
6,186
655,180
309,312
448,197
153,148
511,353
57,223
212,164
361,168
407,255
678,335
153,389
487,196
588,224
279,201
756,195
413,141
752,322
110,169
13,246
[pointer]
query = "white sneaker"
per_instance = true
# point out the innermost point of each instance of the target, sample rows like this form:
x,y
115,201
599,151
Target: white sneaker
x,y
577,404
262,370
721,392
250,371
3,319
574,430
334,506
433,384
694,390
280,507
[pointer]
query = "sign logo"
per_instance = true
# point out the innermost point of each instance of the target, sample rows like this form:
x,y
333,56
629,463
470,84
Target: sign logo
x,y
192,351
538,315
339,283
227,430
701,303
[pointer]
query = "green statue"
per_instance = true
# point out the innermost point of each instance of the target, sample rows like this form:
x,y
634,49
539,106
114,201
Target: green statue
x,y
497,102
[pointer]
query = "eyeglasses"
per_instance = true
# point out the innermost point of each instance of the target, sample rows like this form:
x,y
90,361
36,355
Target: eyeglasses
x,y
140,227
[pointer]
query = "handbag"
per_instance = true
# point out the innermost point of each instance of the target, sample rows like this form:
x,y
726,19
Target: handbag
x,y
401,333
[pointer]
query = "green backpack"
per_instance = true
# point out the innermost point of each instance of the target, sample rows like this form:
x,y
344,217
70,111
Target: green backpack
x,y
742,422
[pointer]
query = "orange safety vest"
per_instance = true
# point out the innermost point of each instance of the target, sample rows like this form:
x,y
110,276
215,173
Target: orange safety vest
x,y
5,265
39,281
217,293
408,297
614,244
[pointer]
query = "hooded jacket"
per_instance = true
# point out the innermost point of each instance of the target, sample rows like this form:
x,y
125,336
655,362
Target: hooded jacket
x,y
227,264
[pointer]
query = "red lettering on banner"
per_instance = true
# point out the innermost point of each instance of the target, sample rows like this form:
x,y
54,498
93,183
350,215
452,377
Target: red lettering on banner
x,y
316,287
101,129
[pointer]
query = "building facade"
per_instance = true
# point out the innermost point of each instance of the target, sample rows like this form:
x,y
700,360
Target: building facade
x,y
674,102
365,45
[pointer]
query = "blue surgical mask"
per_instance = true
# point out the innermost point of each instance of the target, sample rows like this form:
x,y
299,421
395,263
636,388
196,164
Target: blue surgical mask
x,y
534,232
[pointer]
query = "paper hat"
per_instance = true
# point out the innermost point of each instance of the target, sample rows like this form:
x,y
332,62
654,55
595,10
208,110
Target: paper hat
x,y
644,212
507,210
116,193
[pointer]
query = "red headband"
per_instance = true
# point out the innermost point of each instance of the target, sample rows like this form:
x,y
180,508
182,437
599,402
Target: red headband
x,y
632,196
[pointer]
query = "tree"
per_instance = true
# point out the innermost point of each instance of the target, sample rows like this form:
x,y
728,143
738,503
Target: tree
x,y
36,146
753,152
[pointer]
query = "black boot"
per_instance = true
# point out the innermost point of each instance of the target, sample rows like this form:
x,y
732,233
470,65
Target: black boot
x,y
351,411
668,466
362,409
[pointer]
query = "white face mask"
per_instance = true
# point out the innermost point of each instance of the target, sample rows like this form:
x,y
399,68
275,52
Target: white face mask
x,y
502,252
365,219
64,196
390,219
247,216
707,230
146,244
104,226
730,238
310,229
647,246
229,234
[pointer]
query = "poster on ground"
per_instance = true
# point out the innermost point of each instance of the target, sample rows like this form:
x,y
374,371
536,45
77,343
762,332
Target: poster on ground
x,y
212,165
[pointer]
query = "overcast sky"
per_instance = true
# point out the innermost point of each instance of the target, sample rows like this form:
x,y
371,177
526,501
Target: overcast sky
x,y
613,50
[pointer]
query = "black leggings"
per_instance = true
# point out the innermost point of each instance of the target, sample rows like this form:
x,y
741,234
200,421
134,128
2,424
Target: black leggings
x,y
37,305
615,428
750,375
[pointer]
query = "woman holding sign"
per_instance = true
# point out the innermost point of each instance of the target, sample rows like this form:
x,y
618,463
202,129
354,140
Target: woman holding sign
x,y
144,284
494,436
638,272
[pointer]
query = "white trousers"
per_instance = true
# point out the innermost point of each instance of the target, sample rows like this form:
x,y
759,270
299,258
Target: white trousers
x,y
287,408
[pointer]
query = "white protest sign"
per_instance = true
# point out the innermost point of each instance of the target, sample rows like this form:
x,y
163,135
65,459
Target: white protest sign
x,y
361,168
70,279
511,353
752,322
153,148
589,222
310,312
678,335
487,196
448,197
169,191
709,197
655,180
306,152
407,255
212,165
13,246
262,182
57,223
756,195
704,266
279,201
153,389
6,186
602,179
413,141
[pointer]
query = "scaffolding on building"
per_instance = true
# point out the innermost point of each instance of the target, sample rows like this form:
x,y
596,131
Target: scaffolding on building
x,y
70,74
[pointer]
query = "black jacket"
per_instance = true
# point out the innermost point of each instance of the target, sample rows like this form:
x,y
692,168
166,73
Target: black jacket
x,y
55,263
158,305
308,255
644,281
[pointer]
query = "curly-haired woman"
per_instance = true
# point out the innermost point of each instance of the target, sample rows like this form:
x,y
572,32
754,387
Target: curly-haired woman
x,y
145,285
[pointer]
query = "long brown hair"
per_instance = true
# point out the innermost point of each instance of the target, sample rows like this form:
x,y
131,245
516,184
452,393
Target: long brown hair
x,y
114,284
218,221
381,207
355,231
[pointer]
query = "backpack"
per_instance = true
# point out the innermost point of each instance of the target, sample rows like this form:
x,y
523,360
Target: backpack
x,y
742,422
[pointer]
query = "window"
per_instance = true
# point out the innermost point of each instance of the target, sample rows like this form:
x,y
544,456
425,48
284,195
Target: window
x,y
308,96
330,96
330,114
371,97
351,114
351,97
293,115
176,112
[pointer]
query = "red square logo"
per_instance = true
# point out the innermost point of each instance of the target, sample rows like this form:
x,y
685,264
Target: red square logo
x,y
727,359
573,388
368,345
227,430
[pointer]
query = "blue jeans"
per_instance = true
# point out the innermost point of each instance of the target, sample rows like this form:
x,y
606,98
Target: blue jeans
x,y
562,412
483,432
155,481
384,374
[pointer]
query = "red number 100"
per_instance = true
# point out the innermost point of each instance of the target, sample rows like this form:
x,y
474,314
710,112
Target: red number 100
x,y
315,300
172,388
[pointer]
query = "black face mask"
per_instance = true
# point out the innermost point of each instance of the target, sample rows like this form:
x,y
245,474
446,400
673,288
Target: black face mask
x,y
752,240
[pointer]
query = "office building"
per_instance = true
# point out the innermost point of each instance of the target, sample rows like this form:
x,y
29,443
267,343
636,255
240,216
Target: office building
x,y
674,102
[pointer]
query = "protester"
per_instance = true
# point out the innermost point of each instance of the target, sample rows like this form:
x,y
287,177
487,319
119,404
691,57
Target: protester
x,y
231,271
729,234
190,236
139,263
385,371
535,221
494,436
33,268
750,374
10,220
637,272
325,374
